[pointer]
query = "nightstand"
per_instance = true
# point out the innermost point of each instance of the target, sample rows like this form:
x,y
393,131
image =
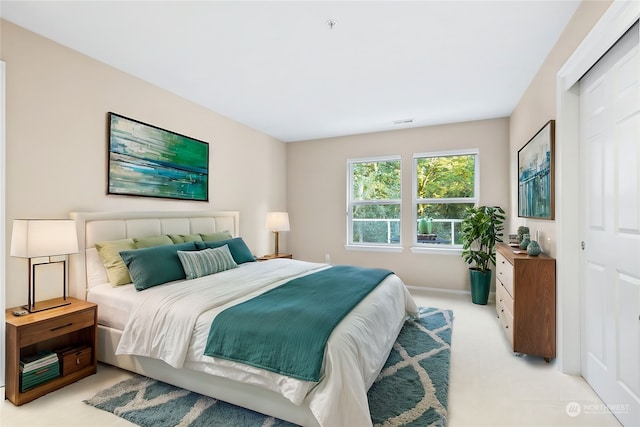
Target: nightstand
x,y
70,327
274,256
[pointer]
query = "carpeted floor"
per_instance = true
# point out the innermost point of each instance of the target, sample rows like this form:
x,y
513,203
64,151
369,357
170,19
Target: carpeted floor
x,y
411,389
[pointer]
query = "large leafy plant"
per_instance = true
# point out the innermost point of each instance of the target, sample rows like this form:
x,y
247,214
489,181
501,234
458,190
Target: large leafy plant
x,y
481,228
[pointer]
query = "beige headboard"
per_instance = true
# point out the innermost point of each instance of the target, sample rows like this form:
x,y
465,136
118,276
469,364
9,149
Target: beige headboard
x,y
101,226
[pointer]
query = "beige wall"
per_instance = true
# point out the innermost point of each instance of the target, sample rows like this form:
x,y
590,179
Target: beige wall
x,y
56,144
57,100
316,194
538,105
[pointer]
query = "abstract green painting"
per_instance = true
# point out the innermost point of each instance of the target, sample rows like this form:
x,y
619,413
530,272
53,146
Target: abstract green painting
x,y
145,160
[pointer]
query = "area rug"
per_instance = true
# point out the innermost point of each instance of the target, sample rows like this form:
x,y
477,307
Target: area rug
x,y
411,389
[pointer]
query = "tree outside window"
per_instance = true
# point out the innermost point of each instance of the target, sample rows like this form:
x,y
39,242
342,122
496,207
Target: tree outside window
x,y
374,203
445,185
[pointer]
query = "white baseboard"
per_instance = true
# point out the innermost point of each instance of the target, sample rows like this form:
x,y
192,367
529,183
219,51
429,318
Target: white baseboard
x,y
492,295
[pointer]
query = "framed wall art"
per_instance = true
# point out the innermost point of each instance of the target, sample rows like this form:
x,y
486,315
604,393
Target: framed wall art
x,y
536,175
145,160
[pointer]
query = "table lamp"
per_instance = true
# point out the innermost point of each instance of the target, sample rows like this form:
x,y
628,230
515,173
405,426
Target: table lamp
x,y
44,241
277,222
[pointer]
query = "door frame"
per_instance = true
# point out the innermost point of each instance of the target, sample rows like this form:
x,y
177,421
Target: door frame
x,y
620,16
3,240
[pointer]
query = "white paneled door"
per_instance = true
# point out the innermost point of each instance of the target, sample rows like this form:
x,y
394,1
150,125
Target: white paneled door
x,y
610,228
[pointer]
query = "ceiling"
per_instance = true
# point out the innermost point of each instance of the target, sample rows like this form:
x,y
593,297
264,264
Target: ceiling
x,y
283,69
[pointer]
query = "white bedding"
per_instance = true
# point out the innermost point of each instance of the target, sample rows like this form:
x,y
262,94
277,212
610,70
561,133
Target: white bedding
x,y
171,322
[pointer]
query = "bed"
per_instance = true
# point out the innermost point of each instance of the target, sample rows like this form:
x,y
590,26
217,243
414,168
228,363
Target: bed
x,y
355,351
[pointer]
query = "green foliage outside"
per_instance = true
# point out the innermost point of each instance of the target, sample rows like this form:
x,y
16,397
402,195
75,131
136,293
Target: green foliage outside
x,y
376,181
437,178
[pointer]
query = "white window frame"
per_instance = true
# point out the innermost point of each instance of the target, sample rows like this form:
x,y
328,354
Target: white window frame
x,y
438,248
382,247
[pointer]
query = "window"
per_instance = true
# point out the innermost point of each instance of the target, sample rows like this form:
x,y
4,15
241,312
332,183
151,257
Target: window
x,y
374,201
445,185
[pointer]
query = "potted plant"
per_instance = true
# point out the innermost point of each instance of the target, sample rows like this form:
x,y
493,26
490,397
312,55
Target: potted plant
x,y
481,228
425,229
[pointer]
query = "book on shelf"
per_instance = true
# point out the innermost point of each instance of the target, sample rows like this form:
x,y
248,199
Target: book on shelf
x,y
37,360
39,376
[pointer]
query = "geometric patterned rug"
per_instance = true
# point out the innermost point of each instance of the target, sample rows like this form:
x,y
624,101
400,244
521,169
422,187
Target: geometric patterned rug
x,y
411,389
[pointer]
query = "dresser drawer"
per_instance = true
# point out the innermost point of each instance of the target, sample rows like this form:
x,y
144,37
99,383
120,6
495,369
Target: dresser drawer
x,y
504,272
503,299
506,318
58,326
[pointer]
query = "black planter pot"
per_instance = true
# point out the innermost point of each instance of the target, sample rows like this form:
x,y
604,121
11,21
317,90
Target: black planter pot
x,y
480,286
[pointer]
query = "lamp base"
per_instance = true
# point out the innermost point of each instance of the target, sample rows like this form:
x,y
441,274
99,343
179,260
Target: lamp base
x,y
47,305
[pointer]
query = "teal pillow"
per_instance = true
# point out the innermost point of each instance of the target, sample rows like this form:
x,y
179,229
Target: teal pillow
x,y
238,248
215,237
154,266
207,261
147,242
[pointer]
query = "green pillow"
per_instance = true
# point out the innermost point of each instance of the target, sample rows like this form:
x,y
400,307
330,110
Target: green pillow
x,y
109,252
156,265
182,238
238,248
216,237
207,261
148,242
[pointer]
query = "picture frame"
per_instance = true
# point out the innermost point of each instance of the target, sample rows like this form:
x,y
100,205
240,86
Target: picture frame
x,y
148,161
536,175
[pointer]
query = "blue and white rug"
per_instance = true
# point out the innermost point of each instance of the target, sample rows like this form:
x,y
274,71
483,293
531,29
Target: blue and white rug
x,y
411,389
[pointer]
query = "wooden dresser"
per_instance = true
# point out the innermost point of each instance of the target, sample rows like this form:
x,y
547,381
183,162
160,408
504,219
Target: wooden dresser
x,y
526,301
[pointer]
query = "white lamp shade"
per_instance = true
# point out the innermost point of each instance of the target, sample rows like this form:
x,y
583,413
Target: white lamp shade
x,y
33,238
277,221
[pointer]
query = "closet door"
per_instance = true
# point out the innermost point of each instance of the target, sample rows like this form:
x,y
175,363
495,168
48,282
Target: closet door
x,y
610,226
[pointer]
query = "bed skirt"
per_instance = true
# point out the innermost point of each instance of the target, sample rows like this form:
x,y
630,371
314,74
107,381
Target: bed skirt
x,y
245,395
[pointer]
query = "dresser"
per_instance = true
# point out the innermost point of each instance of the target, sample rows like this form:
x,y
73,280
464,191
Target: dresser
x,y
526,301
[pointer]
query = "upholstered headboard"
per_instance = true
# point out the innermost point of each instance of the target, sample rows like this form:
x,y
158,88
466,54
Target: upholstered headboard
x,y
102,226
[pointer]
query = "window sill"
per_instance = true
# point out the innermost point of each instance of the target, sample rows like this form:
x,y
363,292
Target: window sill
x,y
436,251
374,248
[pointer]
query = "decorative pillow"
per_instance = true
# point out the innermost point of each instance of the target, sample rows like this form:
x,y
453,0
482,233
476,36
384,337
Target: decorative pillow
x,y
182,238
156,265
216,237
110,254
148,242
238,248
207,261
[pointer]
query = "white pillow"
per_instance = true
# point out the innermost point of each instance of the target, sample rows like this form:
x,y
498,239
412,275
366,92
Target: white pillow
x,y
96,273
207,261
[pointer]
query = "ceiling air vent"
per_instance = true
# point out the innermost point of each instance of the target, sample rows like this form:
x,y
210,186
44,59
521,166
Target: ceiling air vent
x,y
402,122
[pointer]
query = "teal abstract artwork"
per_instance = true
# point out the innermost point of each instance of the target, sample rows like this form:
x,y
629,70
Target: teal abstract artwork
x,y
145,160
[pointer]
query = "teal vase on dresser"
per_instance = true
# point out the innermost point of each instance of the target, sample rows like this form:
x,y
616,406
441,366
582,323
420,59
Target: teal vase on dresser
x,y
533,249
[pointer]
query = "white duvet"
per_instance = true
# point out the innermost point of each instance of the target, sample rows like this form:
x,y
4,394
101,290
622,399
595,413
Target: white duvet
x,y
171,323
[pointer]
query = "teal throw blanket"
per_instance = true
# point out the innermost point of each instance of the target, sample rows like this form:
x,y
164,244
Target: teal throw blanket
x,y
285,330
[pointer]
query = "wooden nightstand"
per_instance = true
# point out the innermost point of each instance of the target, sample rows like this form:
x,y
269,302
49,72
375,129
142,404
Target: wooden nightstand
x,y
273,256
74,325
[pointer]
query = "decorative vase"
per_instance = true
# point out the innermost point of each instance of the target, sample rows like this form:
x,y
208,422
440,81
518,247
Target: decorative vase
x,y
526,239
533,249
522,230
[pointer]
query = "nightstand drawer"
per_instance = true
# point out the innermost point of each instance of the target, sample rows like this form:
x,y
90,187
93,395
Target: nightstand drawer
x,y
55,327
